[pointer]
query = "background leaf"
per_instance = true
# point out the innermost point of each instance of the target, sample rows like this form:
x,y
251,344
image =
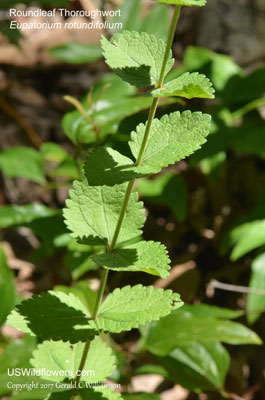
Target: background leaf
x,y
156,22
198,366
7,288
22,215
256,302
76,53
167,189
188,327
113,100
22,162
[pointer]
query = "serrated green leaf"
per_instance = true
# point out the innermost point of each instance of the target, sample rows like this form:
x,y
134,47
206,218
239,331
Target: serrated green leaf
x,y
172,138
23,215
93,211
131,307
188,3
136,57
54,316
7,288
76,53
22,162
55,357
256,302
149,257
188,85
81,290
105,166
198,366
182,327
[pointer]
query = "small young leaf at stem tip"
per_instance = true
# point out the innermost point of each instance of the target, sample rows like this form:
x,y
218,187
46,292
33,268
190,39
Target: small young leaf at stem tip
x,y
150,257
188,85
189,3
93,211
63,356
54,316
131,307
172,138
136,57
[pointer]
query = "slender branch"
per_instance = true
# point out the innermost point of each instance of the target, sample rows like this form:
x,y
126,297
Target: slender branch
x,y
122,214
101,290
30,132
170,39
151,116
147,130
214,284
83,360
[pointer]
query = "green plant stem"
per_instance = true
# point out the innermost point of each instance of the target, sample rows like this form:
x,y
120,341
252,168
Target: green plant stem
x,y
101,290
122,215
83,360
154,105
130,186
141,152
170,39
151,116
147,130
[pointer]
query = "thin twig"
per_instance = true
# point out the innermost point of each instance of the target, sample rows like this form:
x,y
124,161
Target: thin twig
x,y
214,284
30,132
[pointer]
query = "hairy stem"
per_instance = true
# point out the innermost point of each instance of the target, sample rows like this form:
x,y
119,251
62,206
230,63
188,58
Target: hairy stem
x,y
83,360
170,39
122,215
101,290
130,186
151,116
